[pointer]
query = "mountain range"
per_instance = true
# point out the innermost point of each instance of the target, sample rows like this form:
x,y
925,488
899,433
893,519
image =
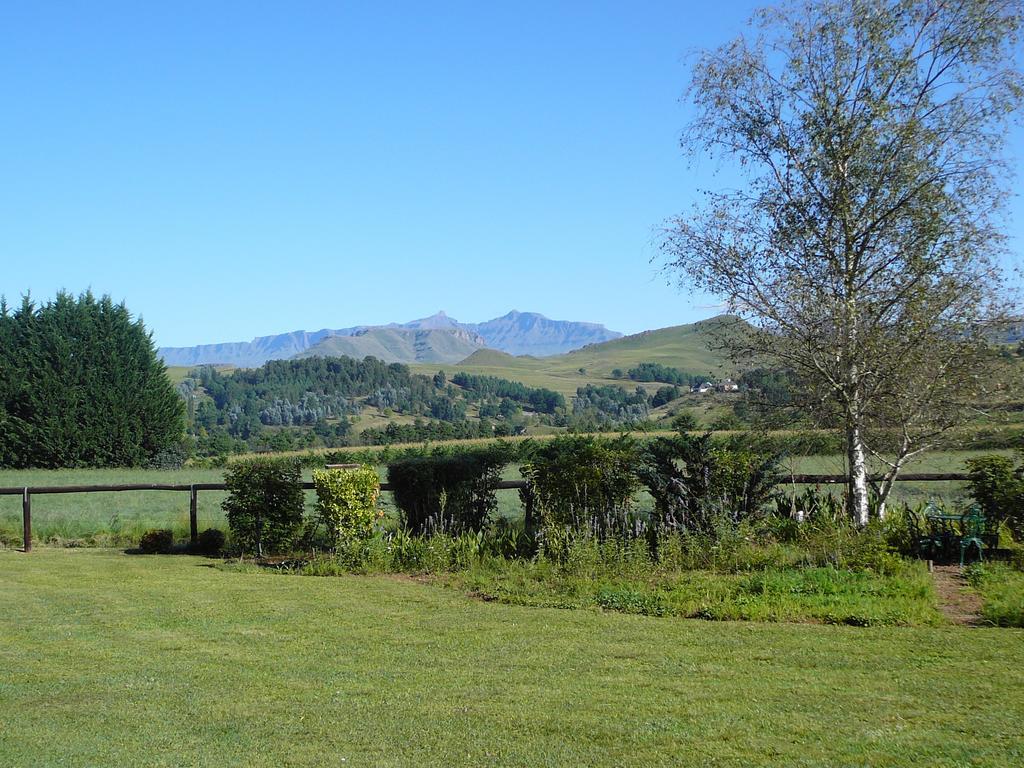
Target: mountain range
x,y
435,339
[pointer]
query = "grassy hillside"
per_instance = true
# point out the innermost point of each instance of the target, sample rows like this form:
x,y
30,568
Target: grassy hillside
x,y
178,373
687,347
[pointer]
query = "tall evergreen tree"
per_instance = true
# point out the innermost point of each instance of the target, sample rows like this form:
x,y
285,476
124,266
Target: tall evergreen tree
x,y
81,385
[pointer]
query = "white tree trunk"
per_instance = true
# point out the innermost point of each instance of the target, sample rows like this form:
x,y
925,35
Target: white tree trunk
x,y
857,490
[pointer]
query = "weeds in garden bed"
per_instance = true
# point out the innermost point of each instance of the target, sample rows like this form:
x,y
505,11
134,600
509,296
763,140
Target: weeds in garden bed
x,y
772,572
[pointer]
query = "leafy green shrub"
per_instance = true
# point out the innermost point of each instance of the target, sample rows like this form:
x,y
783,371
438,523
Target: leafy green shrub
x,y
347,502
696,483
211,542
583,484
448,493
157,541
265,503
997,484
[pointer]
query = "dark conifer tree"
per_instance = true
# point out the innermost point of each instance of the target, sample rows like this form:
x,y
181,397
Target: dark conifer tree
x,y
81,385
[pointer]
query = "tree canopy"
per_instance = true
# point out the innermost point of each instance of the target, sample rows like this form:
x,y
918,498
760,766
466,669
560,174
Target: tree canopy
x,y
863,244
81,385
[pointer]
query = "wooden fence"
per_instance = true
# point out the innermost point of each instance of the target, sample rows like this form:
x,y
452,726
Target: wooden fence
x,y
27,492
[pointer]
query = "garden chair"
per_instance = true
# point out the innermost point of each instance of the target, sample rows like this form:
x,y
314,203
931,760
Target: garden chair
x,y
926,543
973,528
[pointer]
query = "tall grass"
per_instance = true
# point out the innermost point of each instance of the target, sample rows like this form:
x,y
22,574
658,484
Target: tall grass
x,y
813,574
1001,587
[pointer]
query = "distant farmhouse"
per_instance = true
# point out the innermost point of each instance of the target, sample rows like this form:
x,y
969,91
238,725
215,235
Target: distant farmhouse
x,y
727,385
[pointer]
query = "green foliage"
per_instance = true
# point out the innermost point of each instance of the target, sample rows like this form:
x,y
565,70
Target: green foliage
x,y
696,485
538,399
770,387
450,493
756,584
211,542
609,405
997,484
81,386
583,483
684,421
157,541
265,503
347,502
665,395
665,374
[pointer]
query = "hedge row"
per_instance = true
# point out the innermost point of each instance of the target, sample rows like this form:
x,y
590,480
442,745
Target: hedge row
x,y
575,484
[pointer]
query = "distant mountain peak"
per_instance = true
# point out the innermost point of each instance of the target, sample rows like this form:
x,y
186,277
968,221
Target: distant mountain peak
x,y
517,333
438,321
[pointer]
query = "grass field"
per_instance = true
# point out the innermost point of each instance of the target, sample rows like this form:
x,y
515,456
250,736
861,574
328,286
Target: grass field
x,y
119,518
110,659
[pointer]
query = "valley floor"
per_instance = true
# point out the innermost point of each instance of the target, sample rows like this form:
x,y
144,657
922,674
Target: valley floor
x,y
111,659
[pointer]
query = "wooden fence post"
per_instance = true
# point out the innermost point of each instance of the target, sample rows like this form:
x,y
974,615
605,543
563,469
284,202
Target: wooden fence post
x,y
193,515
528,521
26,518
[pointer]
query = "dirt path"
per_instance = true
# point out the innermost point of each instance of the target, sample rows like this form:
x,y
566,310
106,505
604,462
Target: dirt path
x,y
958,603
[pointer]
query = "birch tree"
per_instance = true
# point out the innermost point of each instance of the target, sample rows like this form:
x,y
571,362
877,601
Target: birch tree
x,y
863,244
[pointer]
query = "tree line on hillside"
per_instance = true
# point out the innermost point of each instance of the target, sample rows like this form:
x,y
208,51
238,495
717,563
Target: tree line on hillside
x,y
298,404
537,398
664,374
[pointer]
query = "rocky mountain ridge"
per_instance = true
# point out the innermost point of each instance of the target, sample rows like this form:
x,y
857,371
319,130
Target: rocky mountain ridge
x,y
438,338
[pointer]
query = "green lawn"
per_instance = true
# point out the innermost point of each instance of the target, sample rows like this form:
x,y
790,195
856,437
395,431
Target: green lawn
x,y
109,660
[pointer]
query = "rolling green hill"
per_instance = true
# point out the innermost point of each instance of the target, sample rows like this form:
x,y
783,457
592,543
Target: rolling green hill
x,y
687,347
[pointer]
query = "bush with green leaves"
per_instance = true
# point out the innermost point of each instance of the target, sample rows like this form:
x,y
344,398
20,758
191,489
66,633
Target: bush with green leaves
x,y
997,484
265,504
583,483
451,493
696,483
157,541
347,502
211,542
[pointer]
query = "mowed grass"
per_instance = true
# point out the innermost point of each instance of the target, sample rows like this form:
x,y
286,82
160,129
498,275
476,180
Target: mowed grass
x,y
110,659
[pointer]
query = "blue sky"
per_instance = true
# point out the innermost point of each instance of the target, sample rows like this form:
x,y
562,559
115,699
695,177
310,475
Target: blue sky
x,y
233,170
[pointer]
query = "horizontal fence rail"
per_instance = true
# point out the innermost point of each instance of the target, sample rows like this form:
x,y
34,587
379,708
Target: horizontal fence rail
x,y
27,492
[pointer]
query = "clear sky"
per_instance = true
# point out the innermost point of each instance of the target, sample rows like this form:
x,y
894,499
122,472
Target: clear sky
x,y
233,170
